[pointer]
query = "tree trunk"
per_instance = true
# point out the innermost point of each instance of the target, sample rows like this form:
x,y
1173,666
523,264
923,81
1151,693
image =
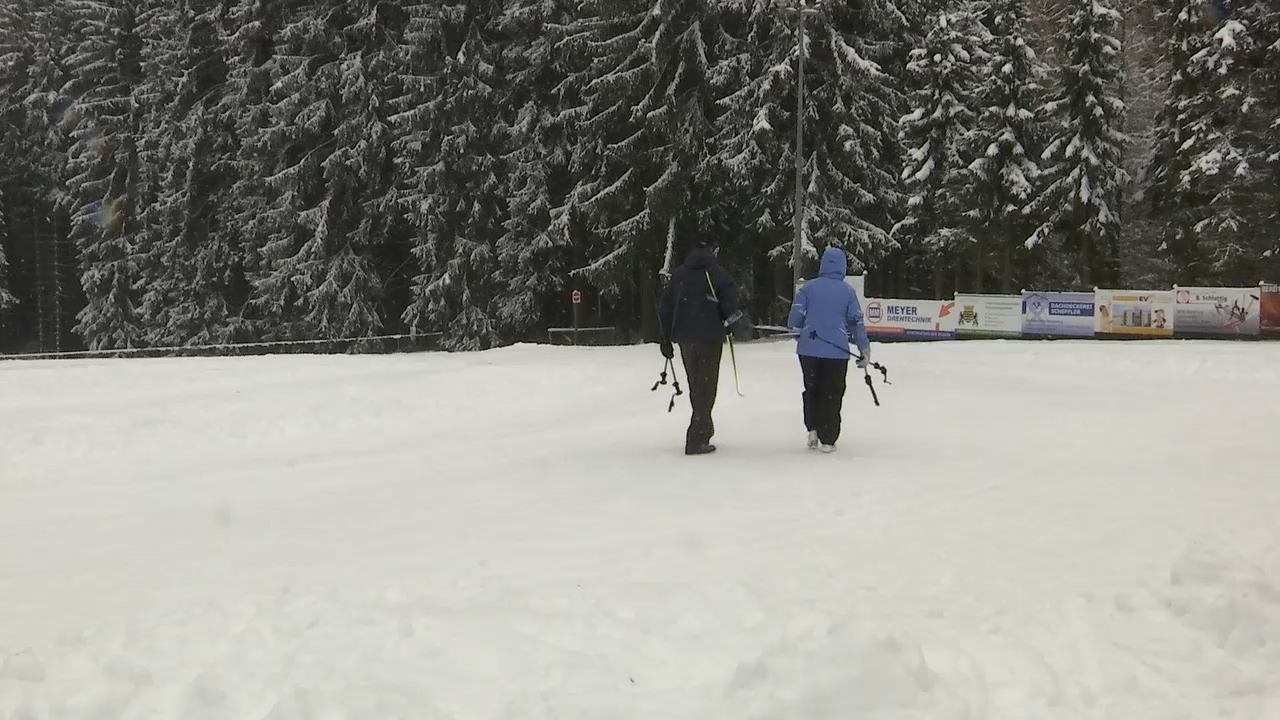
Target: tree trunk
x,y
783,292
648,303
979,264
1114,266
1189,270
1006,272
1086,261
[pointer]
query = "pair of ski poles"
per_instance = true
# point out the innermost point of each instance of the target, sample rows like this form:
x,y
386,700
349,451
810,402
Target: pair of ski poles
x,y
675,380
733,359
866,370
813,334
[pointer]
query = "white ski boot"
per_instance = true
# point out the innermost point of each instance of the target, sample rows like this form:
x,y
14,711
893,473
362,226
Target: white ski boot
x,y
813,440
828,448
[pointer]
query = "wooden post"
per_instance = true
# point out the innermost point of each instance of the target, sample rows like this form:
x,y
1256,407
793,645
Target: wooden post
x,y
577,314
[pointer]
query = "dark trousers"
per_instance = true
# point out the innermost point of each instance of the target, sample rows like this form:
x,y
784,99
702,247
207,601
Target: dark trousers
x,y
702,368
824,384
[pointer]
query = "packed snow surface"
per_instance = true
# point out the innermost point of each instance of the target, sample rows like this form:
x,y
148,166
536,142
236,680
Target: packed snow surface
x,y
1022,531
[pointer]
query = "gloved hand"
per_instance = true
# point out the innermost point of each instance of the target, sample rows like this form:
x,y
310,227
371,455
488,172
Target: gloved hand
x,y
668,350
865,360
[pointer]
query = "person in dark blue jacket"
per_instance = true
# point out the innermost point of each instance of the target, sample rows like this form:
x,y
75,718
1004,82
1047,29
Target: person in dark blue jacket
x,y
826,312
696,307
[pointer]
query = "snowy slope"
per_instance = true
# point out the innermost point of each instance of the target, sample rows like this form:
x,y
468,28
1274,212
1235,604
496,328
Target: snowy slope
x,y
1022,530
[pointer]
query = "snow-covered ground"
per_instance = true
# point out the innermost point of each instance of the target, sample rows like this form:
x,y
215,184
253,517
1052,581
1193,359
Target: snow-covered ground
x,y
1022,530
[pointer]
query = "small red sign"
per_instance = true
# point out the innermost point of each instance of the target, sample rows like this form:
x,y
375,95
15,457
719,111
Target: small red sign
x,y
577,297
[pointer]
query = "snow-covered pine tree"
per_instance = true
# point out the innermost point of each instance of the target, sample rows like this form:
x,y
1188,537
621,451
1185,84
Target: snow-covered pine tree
x,y
416,147
755,80
646,121
1243,225
452,168
1083,174
859,104
417,138
103,186
299,137
1220,156
1264,20
7,300
1178,199
1144,78
195,285
34,149
15,61
1007,141
534,251
367,140
851,113
160,26
905,24
316,278
938,135
349,298
252,30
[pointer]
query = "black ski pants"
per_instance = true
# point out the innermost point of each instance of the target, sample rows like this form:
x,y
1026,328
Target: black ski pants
x,y
824,385
702,368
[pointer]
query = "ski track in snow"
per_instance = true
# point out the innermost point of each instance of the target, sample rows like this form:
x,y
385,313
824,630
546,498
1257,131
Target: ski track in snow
x,y
1022,530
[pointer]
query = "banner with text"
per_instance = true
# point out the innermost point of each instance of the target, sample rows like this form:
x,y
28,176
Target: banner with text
x,y
1057,314
988,315
1134,312
1270,309
1216,311
913,319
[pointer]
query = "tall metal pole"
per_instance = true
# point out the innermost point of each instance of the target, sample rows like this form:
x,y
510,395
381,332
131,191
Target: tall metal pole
x,y
797,242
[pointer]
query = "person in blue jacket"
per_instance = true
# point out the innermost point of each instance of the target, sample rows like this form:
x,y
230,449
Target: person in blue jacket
x,y
826,312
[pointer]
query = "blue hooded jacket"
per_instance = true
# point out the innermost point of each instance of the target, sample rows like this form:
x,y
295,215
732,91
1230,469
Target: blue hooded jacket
x,y
827,311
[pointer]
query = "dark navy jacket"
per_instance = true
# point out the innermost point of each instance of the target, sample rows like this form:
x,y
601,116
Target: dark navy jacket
x,y
699,302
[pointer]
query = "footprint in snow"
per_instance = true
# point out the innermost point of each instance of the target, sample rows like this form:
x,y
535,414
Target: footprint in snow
x,y
24,666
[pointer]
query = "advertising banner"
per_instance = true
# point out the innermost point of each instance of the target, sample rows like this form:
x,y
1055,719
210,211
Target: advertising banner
x,y
992,316
1134,312
1269,315
1057,314
1216,311
910,319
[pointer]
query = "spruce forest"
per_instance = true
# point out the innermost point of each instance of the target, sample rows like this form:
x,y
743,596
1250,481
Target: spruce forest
x,y
182,172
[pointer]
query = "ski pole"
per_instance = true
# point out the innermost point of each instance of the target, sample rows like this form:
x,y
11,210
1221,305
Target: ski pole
x,y
776,330
675,383
733,359
866,377
884,372
866,371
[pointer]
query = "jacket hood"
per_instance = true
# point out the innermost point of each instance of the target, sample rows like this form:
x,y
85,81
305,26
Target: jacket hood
x,y
700,259
834,264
